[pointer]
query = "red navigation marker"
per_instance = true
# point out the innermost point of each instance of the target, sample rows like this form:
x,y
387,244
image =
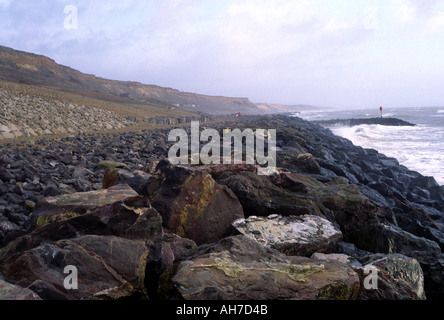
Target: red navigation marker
x,y
380,110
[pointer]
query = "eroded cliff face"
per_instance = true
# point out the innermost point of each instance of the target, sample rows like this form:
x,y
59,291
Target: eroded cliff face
x,y
35,69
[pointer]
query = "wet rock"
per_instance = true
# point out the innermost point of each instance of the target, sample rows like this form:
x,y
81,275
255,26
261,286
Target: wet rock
x,y
305,163
424,182
115,268
67,159
374,196
175,248
295,182
79,203
132,218
339,170
5,175
216,170
10,291
106,164
339,257
368,216
51,190
400,267
110,178
388,238
385,286
350,249
352,211
80,172
432,265
14,198
260,197
292,235
191,203
235,274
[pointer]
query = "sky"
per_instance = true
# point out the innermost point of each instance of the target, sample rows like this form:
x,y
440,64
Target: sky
x,y
333,53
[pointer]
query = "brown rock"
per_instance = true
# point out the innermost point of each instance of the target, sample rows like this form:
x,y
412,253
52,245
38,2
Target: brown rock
x,y
259,274
110,178
192,204
260,197
78,203
10,291
292,235
295,182
132,218
108,268
306,163
388,288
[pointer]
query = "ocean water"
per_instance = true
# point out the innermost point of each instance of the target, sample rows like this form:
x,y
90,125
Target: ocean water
x,y
419,148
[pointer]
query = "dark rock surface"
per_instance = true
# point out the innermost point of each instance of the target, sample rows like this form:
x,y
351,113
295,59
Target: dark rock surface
x,y
111,268
292,235
247,271
191,203
177,219
357,122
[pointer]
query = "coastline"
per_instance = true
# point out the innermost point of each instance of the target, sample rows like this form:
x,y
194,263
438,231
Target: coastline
x,y
338,176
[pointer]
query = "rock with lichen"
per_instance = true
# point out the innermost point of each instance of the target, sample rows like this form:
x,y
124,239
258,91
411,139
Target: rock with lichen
x,y
191,203
246,270
292,235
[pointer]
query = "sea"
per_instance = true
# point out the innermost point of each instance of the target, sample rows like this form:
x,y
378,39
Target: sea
x,y
419,148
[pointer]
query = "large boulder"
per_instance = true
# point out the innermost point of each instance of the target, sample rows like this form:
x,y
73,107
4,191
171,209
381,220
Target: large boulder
x,y
52,209
248,271
191,203
400,267
260,197
109,164
162,264
216,170
353,211
432,265
132,218
387,287
10,291
108,267
304,163
388,238
292,235
295,182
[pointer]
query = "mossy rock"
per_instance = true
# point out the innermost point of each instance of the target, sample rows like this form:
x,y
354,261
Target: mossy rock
x,y
338,291
44,220
107,164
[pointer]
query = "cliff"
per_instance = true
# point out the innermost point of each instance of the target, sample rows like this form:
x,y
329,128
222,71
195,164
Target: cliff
x,y
28,68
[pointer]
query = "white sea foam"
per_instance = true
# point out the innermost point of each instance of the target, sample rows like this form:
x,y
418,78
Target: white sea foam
x,y
418,148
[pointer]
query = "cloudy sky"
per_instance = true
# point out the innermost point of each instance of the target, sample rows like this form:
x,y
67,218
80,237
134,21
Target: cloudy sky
x,y
338,53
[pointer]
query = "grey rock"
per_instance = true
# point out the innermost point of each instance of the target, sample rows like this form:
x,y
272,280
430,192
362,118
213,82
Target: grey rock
x,y
400,267
248,271
10,291
292,235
